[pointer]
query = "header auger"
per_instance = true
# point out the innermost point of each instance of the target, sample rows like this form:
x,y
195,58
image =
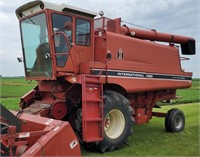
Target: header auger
x,y
97,74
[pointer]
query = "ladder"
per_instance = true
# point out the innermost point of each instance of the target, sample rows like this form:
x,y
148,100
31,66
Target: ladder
x,y
92,108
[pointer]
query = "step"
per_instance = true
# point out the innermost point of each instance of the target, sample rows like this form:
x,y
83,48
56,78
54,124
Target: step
x,y
93,100
93,139
93,81
93,120
91,85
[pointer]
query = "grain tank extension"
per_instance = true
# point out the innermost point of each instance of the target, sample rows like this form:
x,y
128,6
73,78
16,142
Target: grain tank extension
x,y
97,74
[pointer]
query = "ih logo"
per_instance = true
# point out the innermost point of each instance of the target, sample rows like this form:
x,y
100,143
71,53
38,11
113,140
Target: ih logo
x,y
120,54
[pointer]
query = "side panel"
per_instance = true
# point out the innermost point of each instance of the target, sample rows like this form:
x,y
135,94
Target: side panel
x,y
139,65
142,81
141,55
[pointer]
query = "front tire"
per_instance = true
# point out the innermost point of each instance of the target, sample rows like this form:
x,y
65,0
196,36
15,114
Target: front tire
x,y
117,122
175,121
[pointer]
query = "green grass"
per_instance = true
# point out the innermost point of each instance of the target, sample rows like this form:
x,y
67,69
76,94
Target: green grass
x,y
189,95
11,103
149,139
15,87
12,89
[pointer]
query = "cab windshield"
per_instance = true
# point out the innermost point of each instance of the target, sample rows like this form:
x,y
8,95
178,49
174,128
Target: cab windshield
x,y
36,46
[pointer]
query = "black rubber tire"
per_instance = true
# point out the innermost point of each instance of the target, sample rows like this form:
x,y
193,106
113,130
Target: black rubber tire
x,y
117,102
6,151
175,121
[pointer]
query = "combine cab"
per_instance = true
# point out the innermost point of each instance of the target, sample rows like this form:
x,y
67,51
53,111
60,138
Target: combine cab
x,y
100,76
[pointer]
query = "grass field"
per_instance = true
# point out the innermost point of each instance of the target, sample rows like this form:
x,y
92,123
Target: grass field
x,y
12,89
149,139
189,95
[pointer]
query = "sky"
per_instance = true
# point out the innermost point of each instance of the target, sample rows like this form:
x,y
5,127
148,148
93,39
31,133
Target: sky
x,y
180,17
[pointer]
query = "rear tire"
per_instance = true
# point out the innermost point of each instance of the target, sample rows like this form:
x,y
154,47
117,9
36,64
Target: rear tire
x,y
117,122
175,121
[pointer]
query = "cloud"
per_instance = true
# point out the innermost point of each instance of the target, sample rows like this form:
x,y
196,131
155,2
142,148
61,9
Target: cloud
x,y
171,16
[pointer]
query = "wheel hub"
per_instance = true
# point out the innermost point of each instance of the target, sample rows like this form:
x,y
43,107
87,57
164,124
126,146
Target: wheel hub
x,y
178,122
114,124
59,110
107,122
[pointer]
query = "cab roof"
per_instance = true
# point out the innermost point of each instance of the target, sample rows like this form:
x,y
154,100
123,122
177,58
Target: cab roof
x,y
38,5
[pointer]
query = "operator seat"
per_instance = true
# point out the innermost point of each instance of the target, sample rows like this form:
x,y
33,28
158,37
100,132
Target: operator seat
x,y
43,57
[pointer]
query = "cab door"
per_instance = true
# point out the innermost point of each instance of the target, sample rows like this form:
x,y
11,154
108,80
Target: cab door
x,y
72,40
62,37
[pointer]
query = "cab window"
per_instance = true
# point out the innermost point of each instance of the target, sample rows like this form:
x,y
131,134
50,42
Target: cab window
x,y
60,43
83,33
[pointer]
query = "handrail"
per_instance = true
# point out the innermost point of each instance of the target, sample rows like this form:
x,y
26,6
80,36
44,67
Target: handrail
x,y
68,45
184,58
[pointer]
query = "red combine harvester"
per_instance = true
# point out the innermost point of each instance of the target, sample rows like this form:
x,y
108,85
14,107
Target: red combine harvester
x,y
98,75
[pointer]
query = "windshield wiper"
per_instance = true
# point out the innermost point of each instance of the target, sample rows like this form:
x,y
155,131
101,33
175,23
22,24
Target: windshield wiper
x,y
29,19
